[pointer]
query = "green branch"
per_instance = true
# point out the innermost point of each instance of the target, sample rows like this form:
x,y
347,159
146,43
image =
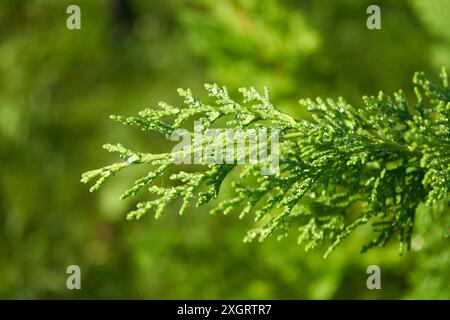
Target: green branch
x,y
345,168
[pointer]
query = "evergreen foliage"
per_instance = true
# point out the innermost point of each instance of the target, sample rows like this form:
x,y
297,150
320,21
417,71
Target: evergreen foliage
x,y
385,158
59,85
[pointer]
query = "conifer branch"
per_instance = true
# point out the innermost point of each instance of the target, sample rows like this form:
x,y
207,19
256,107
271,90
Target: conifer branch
x,y
349,166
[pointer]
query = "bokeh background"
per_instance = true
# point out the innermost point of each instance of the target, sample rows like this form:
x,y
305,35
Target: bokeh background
x,y
58,86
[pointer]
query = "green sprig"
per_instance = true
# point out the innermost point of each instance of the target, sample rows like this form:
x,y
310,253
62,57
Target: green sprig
x,y
347,167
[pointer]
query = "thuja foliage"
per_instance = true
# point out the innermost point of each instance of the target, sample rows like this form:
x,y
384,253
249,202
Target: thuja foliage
x,y
348,166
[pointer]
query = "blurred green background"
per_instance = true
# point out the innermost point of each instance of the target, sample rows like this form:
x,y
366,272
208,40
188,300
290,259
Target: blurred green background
x,y
58,86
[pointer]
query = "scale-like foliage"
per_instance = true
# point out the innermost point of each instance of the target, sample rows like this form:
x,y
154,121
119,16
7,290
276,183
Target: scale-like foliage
x,y
349,166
